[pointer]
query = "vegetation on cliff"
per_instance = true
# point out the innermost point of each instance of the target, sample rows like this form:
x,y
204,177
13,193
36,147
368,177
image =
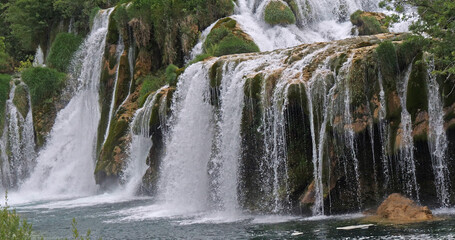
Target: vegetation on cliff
x,y
4,91
43,83
278,12
226,38
62,50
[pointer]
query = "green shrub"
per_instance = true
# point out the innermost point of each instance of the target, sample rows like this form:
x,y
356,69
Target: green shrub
x,y
4,91
43,83
150,83
12,227
278,12
171,74
62,50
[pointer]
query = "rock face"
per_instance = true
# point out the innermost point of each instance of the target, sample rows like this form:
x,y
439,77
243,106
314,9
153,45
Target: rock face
x,y
399,209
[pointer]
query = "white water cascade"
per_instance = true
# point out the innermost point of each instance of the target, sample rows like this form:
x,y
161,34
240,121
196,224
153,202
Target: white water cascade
x,y
38,61
437,137
17,145
406,152
65,165
140,145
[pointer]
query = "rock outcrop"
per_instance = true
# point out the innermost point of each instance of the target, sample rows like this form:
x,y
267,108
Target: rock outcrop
x,y
398,209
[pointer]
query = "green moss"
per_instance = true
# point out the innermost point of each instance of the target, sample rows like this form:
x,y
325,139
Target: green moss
x,y
4,91
367,23
62,50
278,12
388,64
226,38
21,100
216,73
116,131
112,30
43,83
417,97
150,83
409,49
171,73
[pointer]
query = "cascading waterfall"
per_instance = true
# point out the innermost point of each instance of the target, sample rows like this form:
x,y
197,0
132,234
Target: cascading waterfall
x,y
384,130
39,57
120,49
140,144
437,138
349,134
66,164
316,88
317,21
183,180
406,151
18,145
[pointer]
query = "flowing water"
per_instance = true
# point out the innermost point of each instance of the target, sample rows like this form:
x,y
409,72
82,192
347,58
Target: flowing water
x,y
134,220
17,147
66,164
199,190
437,138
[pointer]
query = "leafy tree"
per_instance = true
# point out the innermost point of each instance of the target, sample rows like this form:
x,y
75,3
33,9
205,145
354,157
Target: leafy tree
x,y
30,21
436,19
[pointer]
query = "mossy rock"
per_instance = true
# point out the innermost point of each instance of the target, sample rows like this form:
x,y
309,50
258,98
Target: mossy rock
x,y
388,64
369,23
21,100
226,38
417,97
278,12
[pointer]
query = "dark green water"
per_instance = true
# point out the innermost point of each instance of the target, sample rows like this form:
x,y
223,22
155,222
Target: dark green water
x,y
111,218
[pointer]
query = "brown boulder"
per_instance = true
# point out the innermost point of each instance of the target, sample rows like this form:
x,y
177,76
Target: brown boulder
x,y
398,209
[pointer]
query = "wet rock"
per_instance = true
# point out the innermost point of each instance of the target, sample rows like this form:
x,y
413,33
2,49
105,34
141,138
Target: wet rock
x,y
398,209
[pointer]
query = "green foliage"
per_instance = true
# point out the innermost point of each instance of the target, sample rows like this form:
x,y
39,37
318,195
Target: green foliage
x,y
62,50
5,60
43,83
278,12
4,91
436,21
198,58
30,21
150,83
11,225
226,38
171,74
27,63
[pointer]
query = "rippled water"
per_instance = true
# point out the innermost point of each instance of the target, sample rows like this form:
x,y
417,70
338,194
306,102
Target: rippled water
x,y
111,217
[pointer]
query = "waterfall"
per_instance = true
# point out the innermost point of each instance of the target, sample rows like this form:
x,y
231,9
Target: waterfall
x,y
183,180
384,130
120,49
349,134
39,57
65,165
18,145
406,151
140,145
437,138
